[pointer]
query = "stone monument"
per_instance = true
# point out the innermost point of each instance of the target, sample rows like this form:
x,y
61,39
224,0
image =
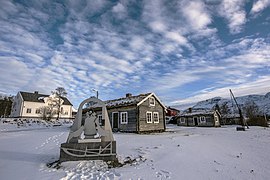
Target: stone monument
x,y
90,141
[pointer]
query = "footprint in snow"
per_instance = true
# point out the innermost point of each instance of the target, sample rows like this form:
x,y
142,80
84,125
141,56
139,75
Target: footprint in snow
x,y
163,174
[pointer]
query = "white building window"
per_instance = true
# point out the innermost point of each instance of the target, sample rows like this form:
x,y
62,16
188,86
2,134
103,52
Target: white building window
x,y
149,117
156,117
202,119
182,120
152,101
124,117
37,111
28,110
66,113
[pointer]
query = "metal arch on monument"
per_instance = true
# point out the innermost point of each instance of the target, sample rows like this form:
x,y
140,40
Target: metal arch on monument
x,y
98,142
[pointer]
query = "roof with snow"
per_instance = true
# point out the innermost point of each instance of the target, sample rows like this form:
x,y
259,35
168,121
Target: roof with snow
x,y
201,112
36,97
131,100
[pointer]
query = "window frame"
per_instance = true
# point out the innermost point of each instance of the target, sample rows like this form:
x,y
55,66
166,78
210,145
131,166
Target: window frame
x,y
201,119
216,117
182,120
99,119
154,101
28,110
38,111
154,117
121,118
151,117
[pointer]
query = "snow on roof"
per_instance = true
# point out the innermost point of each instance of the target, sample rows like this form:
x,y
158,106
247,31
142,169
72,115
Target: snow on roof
x,y
200,112
126,101
36,97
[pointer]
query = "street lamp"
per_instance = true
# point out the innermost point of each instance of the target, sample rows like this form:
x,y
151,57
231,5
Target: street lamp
x,y
95,91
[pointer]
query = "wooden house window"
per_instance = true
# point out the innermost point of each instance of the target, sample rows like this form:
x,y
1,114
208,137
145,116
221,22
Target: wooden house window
x,y
152,101
156,117
216,117
182,120
202,119
149,117
124,117
28,110
100,120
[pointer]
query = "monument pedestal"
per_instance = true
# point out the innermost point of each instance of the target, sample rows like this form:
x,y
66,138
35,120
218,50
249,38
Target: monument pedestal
x,y
105,151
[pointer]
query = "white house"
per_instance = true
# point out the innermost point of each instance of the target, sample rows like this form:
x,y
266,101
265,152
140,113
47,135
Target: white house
x,y
27,105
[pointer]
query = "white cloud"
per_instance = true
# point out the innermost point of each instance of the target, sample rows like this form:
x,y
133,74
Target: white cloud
x,y
196,14
78,46
15,74
158,26
233,11
175,36
260,5
118,8
137,43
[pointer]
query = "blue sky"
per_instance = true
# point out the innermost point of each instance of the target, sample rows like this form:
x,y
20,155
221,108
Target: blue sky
x,y
184,51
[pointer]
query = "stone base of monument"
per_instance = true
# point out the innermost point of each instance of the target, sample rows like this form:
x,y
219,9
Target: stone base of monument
x,y
105,151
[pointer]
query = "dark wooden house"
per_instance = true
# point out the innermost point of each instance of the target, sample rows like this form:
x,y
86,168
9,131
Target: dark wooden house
x,y
141,113
206,118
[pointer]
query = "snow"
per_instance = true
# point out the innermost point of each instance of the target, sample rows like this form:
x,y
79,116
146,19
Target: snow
x,y
198,112
178,153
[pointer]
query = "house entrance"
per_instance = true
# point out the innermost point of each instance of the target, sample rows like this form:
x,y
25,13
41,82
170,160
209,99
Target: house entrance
x,y
195,119
115,120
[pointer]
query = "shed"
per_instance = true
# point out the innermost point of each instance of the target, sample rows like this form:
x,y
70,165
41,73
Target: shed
x,y
203,118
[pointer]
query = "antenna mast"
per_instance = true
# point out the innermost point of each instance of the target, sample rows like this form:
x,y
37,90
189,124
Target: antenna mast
x,y
239,109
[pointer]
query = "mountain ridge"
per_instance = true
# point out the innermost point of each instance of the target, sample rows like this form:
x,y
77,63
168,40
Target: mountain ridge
x,y
262,101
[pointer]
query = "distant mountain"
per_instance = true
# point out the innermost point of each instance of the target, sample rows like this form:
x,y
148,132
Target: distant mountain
x,y
262,101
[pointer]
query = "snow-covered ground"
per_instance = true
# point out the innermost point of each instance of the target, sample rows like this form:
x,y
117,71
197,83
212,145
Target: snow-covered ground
x,y
179,153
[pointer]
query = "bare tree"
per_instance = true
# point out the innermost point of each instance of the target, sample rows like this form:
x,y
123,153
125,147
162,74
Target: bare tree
x,y
224,111
46,112
251,109
253,114
5,106
59,93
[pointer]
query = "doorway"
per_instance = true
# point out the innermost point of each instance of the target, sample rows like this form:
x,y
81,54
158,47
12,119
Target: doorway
x,y
195,120
115,120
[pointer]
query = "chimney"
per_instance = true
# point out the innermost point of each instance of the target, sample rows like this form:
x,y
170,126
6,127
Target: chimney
x,y
36,92
190,110
128,95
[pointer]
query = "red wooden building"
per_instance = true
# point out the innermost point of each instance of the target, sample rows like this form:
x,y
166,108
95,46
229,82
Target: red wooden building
x,y
172,112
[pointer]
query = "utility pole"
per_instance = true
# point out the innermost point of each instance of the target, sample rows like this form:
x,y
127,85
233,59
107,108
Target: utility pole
x,y
96,92
240,114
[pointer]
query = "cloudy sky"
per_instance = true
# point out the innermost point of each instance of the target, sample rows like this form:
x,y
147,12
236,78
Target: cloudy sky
x,y
183,51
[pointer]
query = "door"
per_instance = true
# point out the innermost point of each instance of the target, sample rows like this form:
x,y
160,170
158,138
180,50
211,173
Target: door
x,y
195,119
115,120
